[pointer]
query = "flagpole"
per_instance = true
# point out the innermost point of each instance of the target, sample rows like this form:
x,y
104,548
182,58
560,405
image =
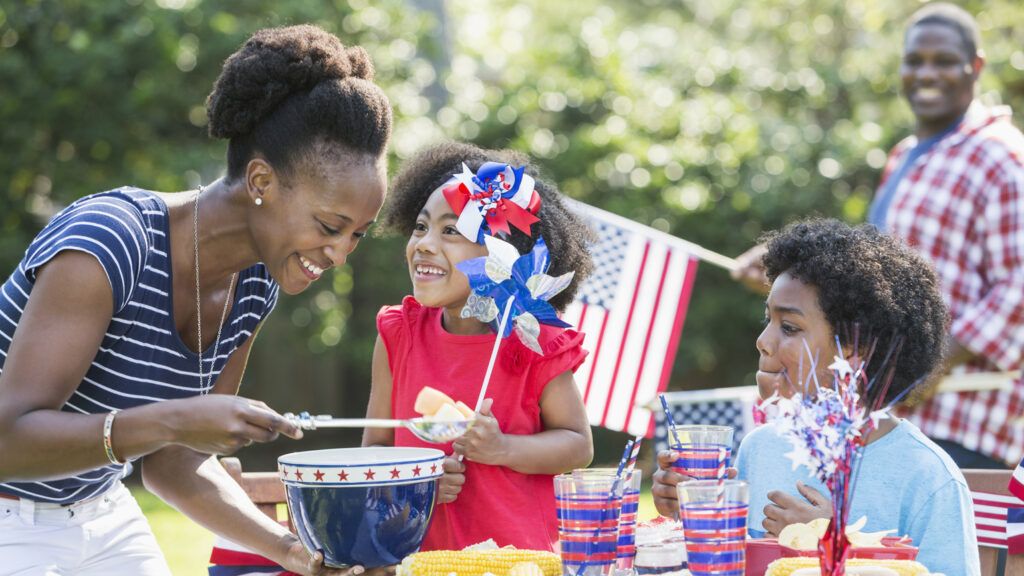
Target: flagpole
x,y
709,256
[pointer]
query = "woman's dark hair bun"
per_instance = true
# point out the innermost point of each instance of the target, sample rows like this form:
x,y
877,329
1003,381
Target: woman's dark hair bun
x,y
272,65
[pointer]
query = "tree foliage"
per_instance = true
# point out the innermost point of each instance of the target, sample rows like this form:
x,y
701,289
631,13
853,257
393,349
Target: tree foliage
x,y
713,121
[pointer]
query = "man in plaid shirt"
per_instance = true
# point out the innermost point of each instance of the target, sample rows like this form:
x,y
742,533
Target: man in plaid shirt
x,y
955,191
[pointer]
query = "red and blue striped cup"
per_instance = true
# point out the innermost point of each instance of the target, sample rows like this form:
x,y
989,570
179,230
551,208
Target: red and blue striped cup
x,y
701,448
588,522
626,547
714,516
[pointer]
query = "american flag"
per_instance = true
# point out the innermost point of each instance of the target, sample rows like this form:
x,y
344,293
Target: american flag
x,y
1015,530
990,518
231,559
632,310
1017,481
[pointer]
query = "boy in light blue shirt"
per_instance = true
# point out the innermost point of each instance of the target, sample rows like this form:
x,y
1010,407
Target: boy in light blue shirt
x,y
830,280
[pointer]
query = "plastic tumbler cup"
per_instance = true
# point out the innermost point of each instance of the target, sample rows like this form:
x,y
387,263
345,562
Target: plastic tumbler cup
x,y
626,547
701,448
714,516
588,523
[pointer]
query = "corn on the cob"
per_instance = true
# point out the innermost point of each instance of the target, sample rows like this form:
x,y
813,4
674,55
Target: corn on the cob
x,y
500,562
525,569
786,566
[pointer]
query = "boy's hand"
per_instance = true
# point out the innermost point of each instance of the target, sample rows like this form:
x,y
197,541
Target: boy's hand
x,y
663,489
484,441
786,509
451,482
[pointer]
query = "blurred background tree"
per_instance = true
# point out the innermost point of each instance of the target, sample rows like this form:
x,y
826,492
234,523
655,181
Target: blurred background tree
x,y
713,121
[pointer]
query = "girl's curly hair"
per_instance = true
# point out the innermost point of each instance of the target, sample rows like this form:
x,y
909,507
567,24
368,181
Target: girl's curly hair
x,y
565,234
871,281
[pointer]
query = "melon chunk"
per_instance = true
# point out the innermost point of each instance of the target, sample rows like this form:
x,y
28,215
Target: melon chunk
x,y
430,400
465,410
448,413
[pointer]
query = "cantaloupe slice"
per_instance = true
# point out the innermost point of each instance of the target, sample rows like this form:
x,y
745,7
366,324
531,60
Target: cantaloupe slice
x,y
430,400
464,409
448,413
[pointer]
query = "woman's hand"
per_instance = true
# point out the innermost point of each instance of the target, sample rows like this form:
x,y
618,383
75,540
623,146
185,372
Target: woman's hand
x,y
302,562
451,482
786,509
483,442
221,424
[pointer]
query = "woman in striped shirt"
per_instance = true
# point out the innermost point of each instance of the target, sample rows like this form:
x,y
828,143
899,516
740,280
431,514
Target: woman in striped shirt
x,y
125,330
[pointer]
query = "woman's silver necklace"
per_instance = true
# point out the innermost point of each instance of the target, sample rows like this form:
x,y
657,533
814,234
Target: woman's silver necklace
x,y
204,388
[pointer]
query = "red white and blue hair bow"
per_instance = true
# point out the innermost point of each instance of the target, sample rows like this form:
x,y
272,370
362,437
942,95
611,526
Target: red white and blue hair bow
x,y
488,202
504,274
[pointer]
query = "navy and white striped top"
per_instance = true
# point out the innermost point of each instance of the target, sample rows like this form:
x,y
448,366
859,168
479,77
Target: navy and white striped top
x,y
142,358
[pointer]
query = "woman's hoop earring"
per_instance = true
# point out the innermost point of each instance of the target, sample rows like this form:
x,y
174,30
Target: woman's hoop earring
x,y
258,201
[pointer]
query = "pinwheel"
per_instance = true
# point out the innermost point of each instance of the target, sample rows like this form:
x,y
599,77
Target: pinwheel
x,y
504,278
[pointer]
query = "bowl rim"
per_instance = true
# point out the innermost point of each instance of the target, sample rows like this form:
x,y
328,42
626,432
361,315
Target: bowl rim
x,y
409,465
426,455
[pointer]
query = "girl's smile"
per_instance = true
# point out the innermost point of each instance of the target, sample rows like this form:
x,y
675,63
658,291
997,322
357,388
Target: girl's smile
x,y
434,248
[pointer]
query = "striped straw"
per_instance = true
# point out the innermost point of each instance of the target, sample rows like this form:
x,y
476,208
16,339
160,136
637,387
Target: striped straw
x,y
720,477
668,418
611,496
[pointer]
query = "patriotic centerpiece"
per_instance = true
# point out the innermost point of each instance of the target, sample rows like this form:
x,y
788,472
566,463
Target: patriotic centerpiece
x,y
828,426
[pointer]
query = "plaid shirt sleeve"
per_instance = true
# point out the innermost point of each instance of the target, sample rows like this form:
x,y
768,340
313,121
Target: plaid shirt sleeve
x,y
993,326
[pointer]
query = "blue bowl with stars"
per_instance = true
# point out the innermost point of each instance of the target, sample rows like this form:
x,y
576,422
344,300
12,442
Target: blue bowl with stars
x,y
361,506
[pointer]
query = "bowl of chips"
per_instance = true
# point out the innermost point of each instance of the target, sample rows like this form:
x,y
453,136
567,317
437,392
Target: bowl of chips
x,y
802,540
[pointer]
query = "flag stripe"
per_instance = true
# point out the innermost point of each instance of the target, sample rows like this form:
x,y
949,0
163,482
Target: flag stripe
x,y
633,358
597,352
629,320
647,340
1017,481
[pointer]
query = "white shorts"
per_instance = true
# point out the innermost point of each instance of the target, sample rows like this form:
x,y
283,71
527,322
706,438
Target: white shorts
x,y
102,535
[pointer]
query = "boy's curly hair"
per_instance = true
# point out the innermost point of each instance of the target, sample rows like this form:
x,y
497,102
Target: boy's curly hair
x,y
871,281
566,235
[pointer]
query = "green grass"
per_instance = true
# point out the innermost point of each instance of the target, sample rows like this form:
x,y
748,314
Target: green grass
x,y
187,545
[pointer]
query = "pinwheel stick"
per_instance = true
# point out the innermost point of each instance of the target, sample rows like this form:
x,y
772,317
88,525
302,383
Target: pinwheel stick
x,y
494,352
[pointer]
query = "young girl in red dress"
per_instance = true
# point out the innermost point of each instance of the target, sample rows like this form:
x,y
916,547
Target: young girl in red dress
x,y
533,423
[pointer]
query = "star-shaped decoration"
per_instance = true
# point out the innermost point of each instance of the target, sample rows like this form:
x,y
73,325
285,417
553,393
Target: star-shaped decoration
x,y
319,476
394,473
342,476
416,470
298,474
433,468
369,474
284,472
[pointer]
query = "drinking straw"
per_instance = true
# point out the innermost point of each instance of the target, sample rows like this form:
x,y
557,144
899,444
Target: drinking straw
x,y
720,477
668,419
626,453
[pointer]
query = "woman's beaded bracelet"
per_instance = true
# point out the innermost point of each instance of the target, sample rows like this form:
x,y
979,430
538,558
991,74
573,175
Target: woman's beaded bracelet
x,y
108,445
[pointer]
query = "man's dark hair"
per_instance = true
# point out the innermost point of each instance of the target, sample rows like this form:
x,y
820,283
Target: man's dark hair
x,y
297,94
953,16
565,234
871,281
